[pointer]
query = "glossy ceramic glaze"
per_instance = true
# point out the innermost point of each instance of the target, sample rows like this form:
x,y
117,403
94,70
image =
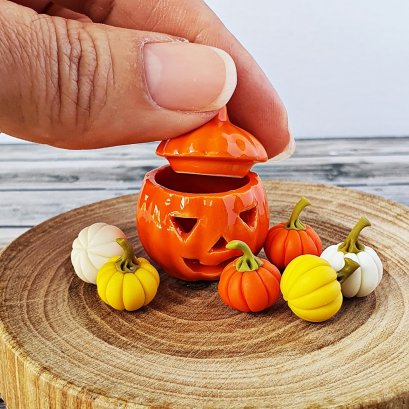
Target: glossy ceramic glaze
x,y
185,221
216,148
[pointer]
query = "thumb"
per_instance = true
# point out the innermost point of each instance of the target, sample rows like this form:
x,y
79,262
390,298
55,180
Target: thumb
x,y
84,85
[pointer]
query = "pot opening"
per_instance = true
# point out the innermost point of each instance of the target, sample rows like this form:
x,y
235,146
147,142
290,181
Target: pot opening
x,y
202,184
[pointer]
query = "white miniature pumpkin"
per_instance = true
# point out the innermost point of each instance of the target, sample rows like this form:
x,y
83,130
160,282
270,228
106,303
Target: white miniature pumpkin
x,y
93,247
367,277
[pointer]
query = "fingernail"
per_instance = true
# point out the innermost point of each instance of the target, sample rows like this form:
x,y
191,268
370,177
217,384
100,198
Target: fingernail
x,y
189,77
287,152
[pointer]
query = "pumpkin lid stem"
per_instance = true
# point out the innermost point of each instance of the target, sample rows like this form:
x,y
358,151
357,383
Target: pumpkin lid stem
x,y
295,223
248,261
127,263
349,267
222,115
351,244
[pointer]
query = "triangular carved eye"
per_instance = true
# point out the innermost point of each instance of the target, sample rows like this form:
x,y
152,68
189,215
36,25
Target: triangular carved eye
x,y
249,217
219,245
184,225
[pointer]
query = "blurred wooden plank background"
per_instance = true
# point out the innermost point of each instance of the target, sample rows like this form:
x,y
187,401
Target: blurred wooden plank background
x,y
38,182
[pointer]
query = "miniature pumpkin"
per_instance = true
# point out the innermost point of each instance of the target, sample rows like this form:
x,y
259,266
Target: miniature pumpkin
x,y
286,241
127,282
93,247
249,283
185,221
366,278
312,287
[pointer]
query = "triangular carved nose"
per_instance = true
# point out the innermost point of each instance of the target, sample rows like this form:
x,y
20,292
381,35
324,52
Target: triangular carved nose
x,y
219,245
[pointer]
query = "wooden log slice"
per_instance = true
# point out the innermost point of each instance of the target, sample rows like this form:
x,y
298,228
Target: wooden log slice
x,y
61,347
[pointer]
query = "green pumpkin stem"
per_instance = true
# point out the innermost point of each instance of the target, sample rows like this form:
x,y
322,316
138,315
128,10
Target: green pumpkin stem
x,y
248,261
128,262
295,223
349,267
351,244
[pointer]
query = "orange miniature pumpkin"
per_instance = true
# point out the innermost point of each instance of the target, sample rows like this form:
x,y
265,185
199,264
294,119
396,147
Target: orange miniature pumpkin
x,y
286,241
185,221
249,283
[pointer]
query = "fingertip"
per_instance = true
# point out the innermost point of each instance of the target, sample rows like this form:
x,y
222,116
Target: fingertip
x,y
274,132
286,153
266,118
230,80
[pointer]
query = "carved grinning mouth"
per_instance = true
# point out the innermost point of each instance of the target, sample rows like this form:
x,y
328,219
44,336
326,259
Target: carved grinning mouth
x,y
196,266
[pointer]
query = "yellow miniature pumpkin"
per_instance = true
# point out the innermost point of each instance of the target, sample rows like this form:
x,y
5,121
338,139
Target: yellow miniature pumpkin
x,y
127,282
312,287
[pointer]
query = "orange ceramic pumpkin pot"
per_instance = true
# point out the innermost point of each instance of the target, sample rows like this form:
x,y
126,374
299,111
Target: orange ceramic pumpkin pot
x,y
184,221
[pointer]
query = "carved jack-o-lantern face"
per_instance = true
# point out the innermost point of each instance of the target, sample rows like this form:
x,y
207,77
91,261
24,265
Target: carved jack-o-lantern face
x,y
185,221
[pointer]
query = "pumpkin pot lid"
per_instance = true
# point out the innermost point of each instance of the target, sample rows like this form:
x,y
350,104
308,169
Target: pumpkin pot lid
x,y
217,148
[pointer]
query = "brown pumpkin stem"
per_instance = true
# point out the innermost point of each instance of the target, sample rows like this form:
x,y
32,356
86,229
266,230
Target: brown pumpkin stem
x,y
127,263
295,223
248,261
349,267
351,244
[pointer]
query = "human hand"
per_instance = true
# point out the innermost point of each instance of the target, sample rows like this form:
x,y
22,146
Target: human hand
x,y
69,81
